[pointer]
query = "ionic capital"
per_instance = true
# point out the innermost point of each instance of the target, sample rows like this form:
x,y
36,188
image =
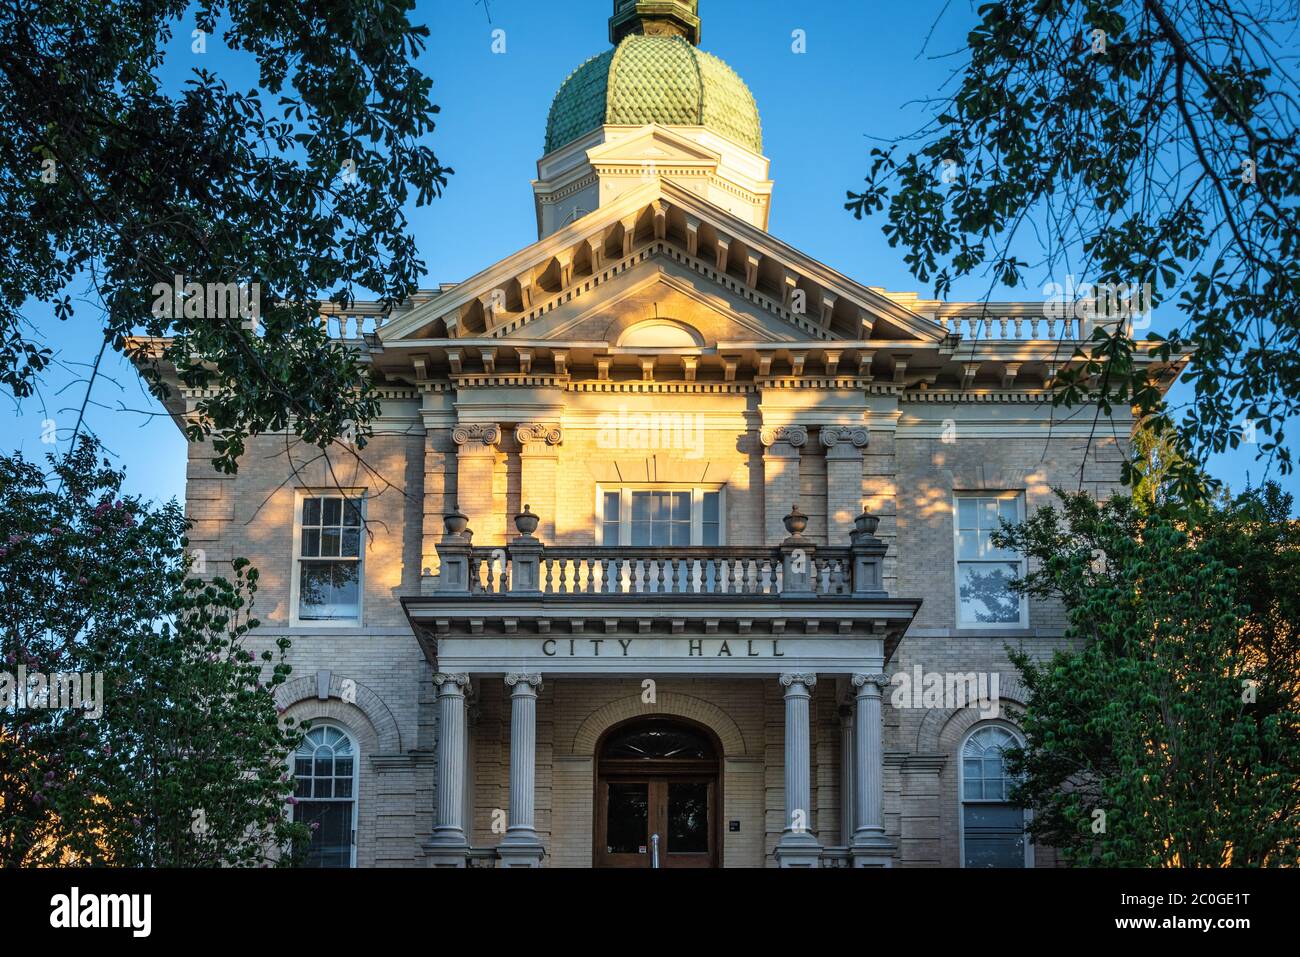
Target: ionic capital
x,y
535,436
795,436
867,681
450,683
476,437
844,435
528,682
808,680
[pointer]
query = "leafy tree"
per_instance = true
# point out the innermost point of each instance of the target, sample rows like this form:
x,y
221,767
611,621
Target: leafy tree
x,y
179,758
295,188
1169,734
1136,141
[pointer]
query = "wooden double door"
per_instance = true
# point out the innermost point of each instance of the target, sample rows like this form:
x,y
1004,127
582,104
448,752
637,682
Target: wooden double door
x,y
657,799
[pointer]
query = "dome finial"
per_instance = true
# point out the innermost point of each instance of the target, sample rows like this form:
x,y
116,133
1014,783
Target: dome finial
x,y
678,18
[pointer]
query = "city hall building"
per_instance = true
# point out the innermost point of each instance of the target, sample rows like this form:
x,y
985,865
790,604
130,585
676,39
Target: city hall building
x,y
672,544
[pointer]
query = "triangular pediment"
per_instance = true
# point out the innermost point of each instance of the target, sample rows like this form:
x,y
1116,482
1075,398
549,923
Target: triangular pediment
x,y
652,145
662,239
661,288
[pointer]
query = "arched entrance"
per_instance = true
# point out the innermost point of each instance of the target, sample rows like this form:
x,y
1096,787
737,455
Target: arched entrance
x,y
658,795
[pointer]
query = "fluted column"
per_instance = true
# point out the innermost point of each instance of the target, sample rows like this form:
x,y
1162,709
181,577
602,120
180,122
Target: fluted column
x,y
521,846
798,846
847,800
449,846
870,846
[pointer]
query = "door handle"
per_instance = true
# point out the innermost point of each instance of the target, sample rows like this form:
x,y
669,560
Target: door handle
x,y
654,850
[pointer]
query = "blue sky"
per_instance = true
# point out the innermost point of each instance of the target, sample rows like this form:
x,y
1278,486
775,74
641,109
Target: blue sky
x,y
866,69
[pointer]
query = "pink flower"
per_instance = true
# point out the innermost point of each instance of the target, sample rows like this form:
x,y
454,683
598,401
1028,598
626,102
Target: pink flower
x,y
292,801
135,821
81,581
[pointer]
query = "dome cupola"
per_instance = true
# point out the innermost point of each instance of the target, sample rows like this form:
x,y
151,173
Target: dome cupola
x,y
654,74
653,107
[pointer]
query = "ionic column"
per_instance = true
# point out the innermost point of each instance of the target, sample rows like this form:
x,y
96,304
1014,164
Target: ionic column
x,y
538,460
476,462
870,846
781,453
847,800
449,846
844,447
798,846
521,846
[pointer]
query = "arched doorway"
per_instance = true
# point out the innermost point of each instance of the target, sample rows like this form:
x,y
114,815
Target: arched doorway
x,y
658,795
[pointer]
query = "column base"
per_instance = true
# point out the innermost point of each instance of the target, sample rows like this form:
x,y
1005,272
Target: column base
x,y
447,851
520,854
873,852
798,850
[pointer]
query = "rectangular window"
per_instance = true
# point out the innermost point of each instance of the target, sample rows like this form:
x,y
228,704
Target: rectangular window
x,y
660,517
329,558
985,572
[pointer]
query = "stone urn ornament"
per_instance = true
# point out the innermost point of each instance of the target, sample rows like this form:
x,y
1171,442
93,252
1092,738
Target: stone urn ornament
x,y
455,522
866,523
526,522
795,522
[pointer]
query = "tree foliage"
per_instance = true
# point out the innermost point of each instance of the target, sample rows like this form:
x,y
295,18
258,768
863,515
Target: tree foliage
x,y
296,185
1144,141
1169,734
185,765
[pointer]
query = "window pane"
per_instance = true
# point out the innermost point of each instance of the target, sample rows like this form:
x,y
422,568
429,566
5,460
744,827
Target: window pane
x,y
993,835
988,512
658,507
640,506
1009,510
986,595
968,544
611,506
681,533
352,512
311,511
611,532
688,818
331,511
331,839
681,506
627,819
711,507
351,544
328,590
966,513
310,542
641,533
711,534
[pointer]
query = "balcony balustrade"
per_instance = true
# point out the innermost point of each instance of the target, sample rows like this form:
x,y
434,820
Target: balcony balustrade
x,y
796,568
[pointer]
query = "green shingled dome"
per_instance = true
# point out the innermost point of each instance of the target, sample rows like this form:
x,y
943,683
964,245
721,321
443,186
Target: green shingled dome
x,y
654,79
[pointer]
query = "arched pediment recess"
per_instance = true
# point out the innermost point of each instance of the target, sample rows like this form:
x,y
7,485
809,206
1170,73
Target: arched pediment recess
x,y
660,334
668,704
942,728
388,736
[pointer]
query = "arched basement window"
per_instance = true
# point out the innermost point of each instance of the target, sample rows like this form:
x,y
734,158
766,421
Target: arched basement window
x,y
325,788
993,829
